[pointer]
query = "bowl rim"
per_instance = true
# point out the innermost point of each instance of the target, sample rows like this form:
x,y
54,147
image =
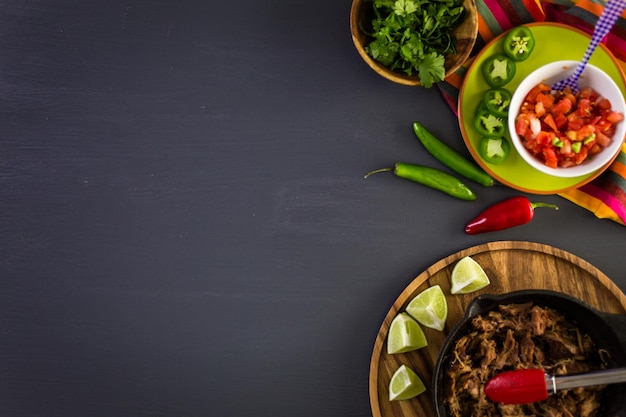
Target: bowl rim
x,y
555,71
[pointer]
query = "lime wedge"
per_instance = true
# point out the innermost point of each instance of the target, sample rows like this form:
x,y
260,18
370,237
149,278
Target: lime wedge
x,y
405,384
429,308
405,335
468,276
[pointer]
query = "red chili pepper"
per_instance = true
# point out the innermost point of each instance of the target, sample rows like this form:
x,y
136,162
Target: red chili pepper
x,y
511,212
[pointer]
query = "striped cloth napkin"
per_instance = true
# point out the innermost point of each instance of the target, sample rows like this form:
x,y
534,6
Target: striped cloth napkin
x,y
605,196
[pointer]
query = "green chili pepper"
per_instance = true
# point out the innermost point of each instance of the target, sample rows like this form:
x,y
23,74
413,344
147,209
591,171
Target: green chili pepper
x,y
519,43
497,101
494,150
451,158
488,124
498,70
432,178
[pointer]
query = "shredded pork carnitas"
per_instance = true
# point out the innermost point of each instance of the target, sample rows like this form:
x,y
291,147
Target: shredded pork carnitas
x,y
518,336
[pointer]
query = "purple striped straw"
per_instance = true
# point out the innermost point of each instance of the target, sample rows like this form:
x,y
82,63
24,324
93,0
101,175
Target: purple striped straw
x,y
612,11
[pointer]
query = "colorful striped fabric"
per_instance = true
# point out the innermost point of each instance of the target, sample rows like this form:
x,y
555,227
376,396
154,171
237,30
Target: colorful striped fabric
x,y
605,196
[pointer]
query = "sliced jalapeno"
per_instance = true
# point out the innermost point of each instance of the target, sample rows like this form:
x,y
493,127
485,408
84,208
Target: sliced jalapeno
x,y
488,124
519,43
494,149
497,100
498,70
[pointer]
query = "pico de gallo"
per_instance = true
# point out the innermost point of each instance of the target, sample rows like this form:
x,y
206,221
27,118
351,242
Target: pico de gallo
x,y
564,129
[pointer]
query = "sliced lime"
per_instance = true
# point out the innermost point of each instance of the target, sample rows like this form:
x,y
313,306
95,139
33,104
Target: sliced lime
x,y
405,384
429,308
468,276
405,335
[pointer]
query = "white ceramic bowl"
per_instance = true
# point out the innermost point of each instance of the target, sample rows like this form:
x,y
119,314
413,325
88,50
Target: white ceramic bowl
x,y
592,77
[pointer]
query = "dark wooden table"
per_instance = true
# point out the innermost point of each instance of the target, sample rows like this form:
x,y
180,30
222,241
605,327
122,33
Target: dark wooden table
x,y
185,229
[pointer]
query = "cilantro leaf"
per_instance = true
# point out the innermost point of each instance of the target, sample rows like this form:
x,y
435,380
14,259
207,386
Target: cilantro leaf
x,y
382,51
404,7
412,36
432,69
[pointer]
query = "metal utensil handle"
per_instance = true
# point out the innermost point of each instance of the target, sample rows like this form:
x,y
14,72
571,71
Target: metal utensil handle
x,y
607,19
606,376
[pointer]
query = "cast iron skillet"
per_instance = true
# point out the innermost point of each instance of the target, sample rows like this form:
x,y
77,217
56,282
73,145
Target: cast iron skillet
x,y
608,331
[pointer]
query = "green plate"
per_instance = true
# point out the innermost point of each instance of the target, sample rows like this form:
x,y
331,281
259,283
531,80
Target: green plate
x,y
554,42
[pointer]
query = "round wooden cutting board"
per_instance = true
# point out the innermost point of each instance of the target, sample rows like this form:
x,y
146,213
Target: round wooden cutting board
x,y
511,266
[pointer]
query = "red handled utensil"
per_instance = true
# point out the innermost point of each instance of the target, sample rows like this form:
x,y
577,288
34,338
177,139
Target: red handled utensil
x,y
530,385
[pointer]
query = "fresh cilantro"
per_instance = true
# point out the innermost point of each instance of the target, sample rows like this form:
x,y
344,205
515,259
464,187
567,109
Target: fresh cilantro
x,y
404,7
431,69
413,36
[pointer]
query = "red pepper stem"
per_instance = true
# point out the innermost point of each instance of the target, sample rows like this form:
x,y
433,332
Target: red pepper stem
x,y
552,206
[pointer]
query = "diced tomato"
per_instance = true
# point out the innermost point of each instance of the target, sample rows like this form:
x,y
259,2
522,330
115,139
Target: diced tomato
x,y
594,149
550,122
546,99
595,120
604,104
602,139
586,131
521,126
563,106
584,107
545,138
604,126
585,93
614,117
540,110
581,155
549,157
532,94
560,120
574,123
571,97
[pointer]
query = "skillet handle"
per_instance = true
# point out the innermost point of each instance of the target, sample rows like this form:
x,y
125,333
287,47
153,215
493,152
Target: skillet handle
x,y
482,303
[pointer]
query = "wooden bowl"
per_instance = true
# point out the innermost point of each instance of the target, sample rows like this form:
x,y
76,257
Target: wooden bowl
x,y
465,35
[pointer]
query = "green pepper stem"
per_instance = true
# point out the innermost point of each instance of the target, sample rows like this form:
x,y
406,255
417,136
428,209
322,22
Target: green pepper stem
x,y
552,206
377,171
